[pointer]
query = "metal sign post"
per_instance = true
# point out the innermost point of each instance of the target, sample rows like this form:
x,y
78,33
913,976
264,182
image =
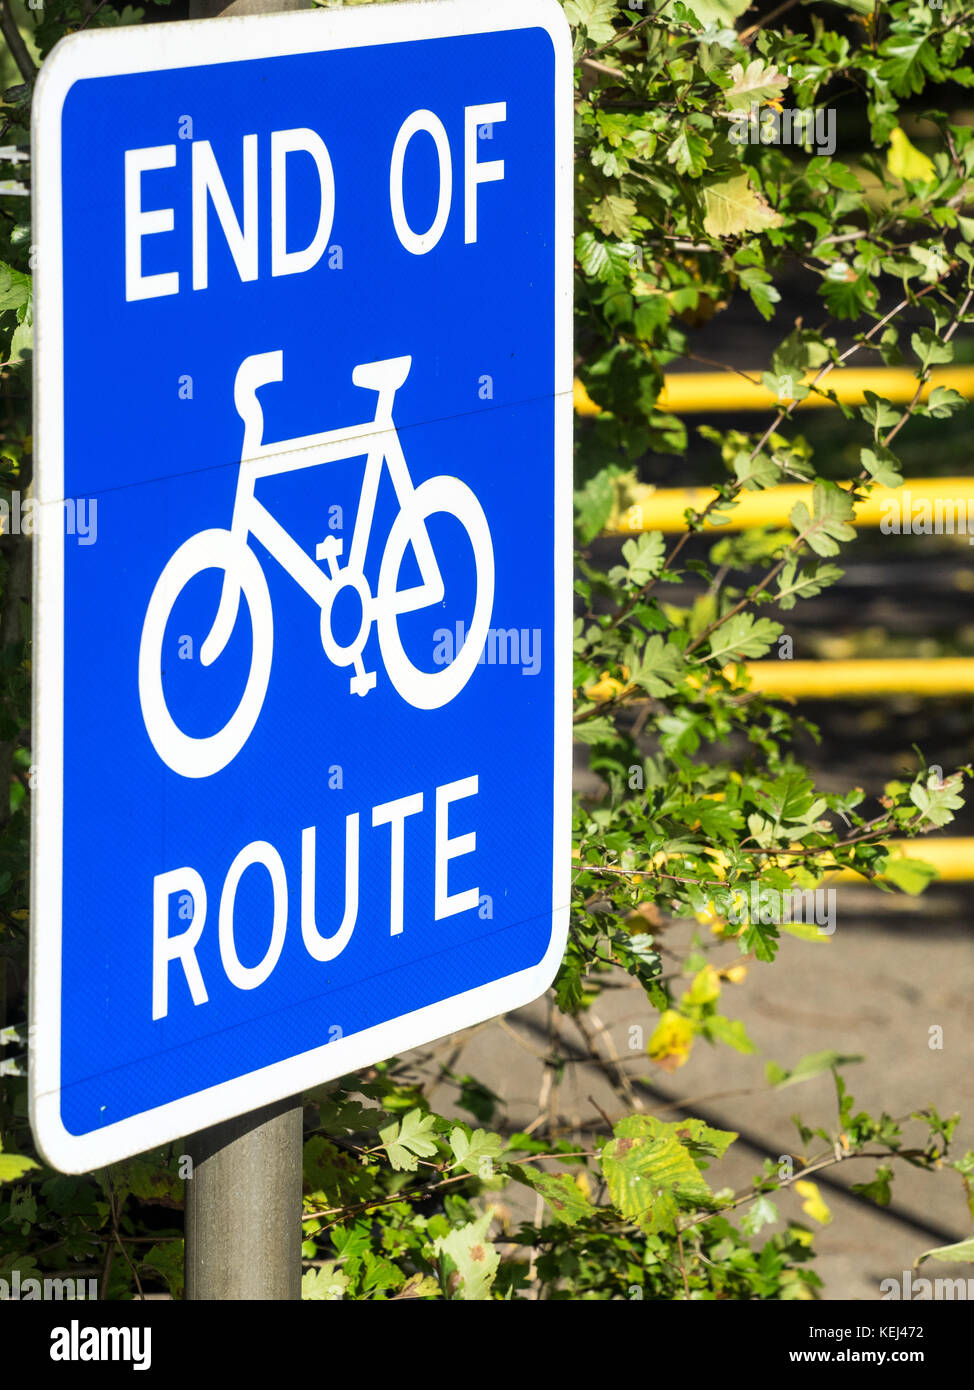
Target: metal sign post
x,y
243,1207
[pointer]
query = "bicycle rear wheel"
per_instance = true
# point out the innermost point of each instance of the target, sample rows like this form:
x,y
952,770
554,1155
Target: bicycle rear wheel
x,y
202,757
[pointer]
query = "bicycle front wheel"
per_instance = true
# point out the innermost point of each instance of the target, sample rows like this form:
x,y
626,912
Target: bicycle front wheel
x,y
426,689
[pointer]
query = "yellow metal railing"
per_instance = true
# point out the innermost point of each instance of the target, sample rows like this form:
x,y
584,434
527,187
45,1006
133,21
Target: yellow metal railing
x,y
952,858
690,392
837,680
921,505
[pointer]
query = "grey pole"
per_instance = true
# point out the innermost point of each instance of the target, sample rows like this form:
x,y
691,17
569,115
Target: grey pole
x,y
243,1207
243,1201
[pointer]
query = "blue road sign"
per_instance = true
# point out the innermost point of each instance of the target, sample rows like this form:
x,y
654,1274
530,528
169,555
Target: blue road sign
x,y
303,626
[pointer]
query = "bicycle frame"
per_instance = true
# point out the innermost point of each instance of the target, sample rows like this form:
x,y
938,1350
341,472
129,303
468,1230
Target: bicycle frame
x,y
380,442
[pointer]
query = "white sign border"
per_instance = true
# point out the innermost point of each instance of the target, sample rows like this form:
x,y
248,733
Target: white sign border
x,y
190,44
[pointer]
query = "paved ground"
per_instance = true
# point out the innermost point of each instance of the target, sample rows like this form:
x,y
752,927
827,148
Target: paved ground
x,y
875,988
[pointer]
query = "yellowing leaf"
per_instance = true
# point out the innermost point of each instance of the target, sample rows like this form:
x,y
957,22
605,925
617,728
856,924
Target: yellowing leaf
x,y
905,161
467,1261
607,687
325,1284
14,1166
567,1199
734,974
705,988
806,931
613,215
813,1205
756,83
648,1171
733,206
671,1042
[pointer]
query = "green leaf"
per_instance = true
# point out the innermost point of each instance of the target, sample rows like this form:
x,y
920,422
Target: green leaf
x,y
929,348
595,16
833,511
909,60
813,1064
409,1140
937,804
878,1190
477,1152
688,151
763,294
730,1031
882,464
756,473
652,313
732,206
658,667
16,290
338,1116
910,875
592,256
721,13
717,821
613,215
599,729
742,636
564,1198
794,584
644,555
878,412
790,797
847,293
467,1261
961,1253
593,505
167,1258
762,1212
943,401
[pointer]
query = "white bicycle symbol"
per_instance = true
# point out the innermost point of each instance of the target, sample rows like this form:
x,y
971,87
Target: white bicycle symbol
x,y
228,551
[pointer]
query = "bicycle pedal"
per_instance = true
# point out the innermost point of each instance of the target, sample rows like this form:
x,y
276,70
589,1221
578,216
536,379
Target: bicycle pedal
x,y
329,549
362,683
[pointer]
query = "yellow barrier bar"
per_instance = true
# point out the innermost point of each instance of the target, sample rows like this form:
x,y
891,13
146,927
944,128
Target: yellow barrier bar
x,y
837,680
952,858
688,392
921,504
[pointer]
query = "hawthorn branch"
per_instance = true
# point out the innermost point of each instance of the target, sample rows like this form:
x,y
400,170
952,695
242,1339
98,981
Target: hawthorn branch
x,y
16,44
746,35
624,34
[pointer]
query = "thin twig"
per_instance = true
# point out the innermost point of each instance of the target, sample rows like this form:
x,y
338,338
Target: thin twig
x,y
746,35
16,44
